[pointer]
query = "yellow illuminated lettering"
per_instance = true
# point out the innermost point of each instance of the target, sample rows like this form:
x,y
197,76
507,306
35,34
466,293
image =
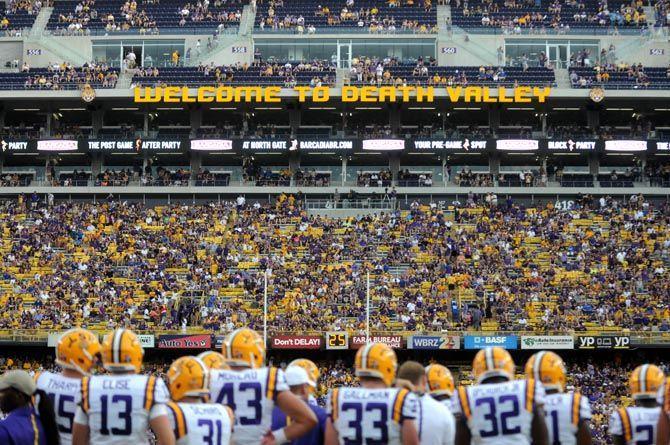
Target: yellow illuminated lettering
x,y
302,93
454,93
406,91
521,94
541,94
205,94
171,94
487,96
224,94
369,94
272,94
428,93
147,96
502,98
349,94
387,94
186,95
471,92
321,94
248,93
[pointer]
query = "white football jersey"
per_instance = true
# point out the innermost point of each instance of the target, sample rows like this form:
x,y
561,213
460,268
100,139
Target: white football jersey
x,y
563,412
500,413
200,423
362,415
65,394
436,424
251,394
636,424
117,408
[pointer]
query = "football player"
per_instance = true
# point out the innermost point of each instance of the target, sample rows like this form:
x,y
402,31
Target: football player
x,y
663,433
195,422
313,374
252,389
376,412
636,424
436,424
440,382
567,414
77,352
213,360
498,409
119,407
300,384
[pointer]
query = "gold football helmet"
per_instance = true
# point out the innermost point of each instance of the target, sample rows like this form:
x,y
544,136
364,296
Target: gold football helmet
x,y
188,377
213,360
645,381
548,368
376,360
122,351
244,348
493,362
440,380
78,349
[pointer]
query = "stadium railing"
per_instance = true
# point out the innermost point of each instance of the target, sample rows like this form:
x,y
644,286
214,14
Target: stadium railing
x,y
639,337
595,31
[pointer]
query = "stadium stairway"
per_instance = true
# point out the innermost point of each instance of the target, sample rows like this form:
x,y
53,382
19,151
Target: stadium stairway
x,y
41,21
562,76
443,16
125,79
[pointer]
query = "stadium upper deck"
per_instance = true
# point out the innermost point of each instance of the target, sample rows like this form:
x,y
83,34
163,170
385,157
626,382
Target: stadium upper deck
x,y
454,108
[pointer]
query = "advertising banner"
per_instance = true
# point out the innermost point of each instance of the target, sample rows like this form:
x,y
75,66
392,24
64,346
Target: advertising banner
x,y
571,145
297,342
394,341
383,144
625,146
218,341
267,145
146,340
326,144
434,342
176,341
337,340
52,338
211,144
451,145
134,145
17,146
547,342
517,144
484,341
57,145
603,342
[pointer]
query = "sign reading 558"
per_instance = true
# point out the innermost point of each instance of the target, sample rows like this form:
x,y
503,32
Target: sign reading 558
x,y
337,340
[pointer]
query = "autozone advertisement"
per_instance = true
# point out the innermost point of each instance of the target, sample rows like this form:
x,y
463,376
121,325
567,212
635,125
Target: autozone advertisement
x,y
434,342
201,341
394,341
603,342
297,342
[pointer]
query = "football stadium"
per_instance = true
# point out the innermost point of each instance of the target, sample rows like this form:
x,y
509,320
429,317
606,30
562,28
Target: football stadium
x,y
334,222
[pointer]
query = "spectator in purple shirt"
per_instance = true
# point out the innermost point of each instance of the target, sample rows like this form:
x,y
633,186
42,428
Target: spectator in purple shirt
x,y
298,382
23,424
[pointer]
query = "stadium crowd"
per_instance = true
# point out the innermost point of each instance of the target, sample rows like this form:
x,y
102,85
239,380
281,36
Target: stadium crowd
x,y
489,263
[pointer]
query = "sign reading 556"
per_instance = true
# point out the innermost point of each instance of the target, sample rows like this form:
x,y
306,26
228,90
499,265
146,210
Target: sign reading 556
x,y
337,340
